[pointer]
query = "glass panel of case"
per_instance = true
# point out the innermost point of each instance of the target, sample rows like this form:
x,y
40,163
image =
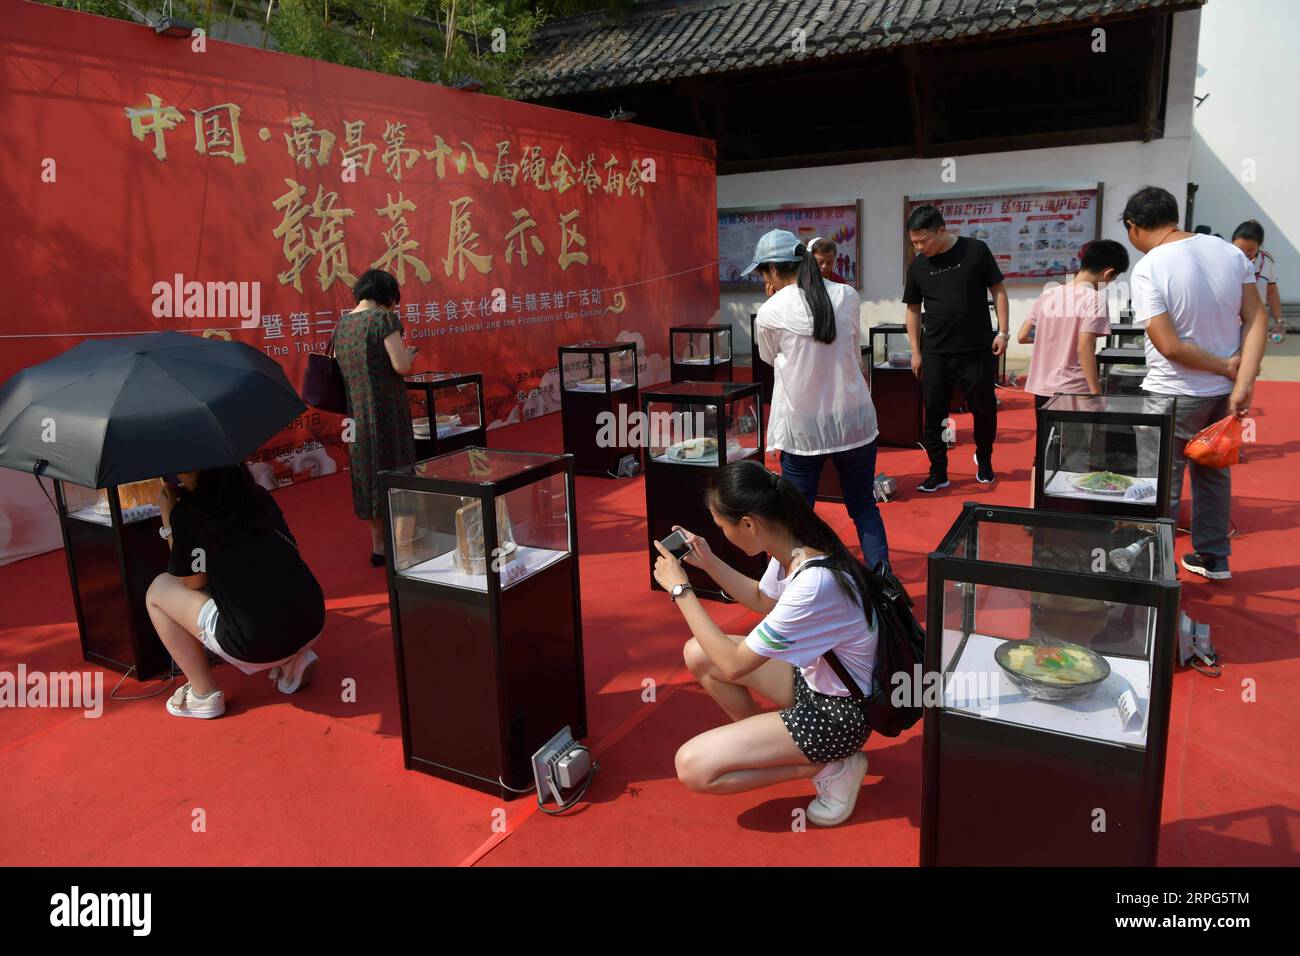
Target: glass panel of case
x,y
1070,549
892,350
1122,379
722,346
1048,661
419,403
139,502
585,371
622,368
457,408
743,438
692,348
475,464
440,538
688,434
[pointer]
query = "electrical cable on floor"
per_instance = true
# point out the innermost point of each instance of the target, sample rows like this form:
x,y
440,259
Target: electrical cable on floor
x,y
577,797
170,678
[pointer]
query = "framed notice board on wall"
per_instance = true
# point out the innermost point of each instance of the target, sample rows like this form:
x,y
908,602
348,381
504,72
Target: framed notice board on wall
x,y
739,230
1032,233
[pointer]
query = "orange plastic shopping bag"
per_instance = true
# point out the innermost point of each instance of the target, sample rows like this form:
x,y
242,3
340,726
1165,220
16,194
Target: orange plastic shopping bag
x,y
1217,445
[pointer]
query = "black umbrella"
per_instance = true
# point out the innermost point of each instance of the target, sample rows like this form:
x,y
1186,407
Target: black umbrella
x,y
109,412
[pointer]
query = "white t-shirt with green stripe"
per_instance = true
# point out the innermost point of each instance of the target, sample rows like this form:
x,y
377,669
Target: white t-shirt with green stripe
x,y
812,616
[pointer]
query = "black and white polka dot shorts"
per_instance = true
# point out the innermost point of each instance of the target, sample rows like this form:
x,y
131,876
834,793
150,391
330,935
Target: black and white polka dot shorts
x,y
825,728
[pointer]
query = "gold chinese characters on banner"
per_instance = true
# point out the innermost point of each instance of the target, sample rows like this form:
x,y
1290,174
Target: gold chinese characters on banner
x,y
311,229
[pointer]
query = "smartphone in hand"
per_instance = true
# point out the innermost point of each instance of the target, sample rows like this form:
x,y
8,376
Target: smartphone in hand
x,y
675,544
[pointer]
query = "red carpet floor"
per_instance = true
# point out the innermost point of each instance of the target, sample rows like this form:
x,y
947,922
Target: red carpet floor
x,y
315,780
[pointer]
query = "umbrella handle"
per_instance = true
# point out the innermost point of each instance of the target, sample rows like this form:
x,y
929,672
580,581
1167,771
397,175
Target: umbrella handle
x,y
39,466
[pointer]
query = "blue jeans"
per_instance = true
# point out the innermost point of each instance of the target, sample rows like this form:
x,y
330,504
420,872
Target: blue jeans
x,y
857,469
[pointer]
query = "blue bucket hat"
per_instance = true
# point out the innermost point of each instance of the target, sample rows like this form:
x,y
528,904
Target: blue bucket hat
x,y
779,245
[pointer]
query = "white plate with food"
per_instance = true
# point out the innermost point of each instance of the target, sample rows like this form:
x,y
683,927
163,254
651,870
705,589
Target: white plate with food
x,y
1101,483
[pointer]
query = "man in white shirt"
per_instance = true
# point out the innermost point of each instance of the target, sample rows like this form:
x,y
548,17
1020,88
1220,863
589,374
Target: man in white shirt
x,y
1205,328
1249,237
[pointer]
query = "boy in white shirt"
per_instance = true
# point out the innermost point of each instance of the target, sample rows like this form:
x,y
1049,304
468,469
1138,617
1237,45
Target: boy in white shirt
x,y
1205,327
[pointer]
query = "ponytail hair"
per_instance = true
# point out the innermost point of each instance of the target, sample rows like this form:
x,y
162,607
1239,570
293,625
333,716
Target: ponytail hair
x,y
747,488
815,296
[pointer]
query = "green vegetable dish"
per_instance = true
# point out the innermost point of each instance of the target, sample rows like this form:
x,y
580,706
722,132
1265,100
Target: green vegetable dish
x,y
1101,482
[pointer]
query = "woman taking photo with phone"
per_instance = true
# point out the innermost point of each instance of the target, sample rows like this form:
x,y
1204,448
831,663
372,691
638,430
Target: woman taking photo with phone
x,y
813,596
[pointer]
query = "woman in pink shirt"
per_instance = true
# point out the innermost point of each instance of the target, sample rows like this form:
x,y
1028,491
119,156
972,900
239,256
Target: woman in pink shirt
x,y
1064,325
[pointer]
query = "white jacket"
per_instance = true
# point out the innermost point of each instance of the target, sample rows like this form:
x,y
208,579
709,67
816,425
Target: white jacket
x,y
820,402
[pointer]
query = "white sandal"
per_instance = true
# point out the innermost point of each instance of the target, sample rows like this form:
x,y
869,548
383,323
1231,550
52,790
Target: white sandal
x,y
296,672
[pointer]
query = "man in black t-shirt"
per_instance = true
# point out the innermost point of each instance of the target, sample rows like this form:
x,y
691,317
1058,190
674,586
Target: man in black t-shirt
x,y
953,342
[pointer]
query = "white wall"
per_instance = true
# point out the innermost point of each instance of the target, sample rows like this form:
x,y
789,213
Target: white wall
x,y
1247,66
1121,167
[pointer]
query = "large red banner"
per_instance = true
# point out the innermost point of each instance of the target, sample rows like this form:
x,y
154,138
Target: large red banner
x,y
154,182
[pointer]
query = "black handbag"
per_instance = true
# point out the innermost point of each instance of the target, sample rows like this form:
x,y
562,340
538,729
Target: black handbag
x,y
323,385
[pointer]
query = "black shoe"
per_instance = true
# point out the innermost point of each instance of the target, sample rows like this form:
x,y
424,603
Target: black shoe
x,y
377,560
933,483
984,472
1216,569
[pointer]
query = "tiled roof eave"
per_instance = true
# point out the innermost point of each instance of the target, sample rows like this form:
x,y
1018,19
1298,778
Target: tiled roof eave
x,y
602,43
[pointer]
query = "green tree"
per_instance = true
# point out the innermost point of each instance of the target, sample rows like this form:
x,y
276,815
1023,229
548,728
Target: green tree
x,y
439,41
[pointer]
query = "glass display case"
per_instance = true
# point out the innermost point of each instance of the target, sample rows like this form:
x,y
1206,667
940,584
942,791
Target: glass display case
x,y
693,429
1126,335
1120,371
700,353
483,587
598,393
1105,454
446,411
1049,663
111,542
895,391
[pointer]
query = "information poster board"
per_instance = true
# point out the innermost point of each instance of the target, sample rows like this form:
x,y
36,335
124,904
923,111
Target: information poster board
x,y
1032,233
739,230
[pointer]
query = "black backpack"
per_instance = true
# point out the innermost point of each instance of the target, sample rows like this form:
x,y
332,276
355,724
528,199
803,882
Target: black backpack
x,y
900,649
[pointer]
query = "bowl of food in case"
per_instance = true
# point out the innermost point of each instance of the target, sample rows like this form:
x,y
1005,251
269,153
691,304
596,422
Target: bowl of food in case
x,y
1100,483
1052,670
694,449
900,359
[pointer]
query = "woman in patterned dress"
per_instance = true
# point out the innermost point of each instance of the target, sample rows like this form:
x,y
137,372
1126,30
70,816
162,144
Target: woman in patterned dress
x,y
369,348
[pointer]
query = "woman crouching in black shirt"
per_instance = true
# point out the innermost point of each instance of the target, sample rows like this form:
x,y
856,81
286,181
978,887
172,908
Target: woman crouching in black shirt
x,y
236,585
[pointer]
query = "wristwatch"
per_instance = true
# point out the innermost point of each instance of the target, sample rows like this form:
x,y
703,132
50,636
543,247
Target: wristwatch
x,y
678,590
1003,335
164,532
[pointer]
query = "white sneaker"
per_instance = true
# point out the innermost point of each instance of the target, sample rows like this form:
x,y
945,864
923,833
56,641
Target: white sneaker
x,y
185,703
296,673
837,790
